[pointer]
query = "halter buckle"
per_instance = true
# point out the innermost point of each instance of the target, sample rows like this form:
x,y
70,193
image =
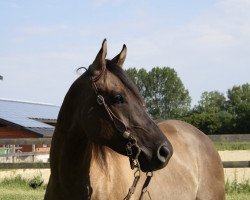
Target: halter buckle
x,y
100,99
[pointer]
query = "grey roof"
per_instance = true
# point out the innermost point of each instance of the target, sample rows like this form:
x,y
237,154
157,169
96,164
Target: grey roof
x,y
25,115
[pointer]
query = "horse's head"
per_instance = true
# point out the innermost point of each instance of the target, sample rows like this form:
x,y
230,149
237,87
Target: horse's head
x,y
116,114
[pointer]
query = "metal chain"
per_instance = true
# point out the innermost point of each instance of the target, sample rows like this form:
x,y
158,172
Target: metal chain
x,y
131,190
145,185
134,153
134,164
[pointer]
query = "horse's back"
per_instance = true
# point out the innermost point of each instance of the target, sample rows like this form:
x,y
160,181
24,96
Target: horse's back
x,y
195,170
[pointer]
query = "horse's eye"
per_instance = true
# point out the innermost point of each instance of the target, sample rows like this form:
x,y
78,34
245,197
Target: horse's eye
x,y
118,98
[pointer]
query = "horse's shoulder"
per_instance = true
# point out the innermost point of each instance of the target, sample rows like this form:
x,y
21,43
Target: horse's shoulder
x,y
170,126
175,126
180,128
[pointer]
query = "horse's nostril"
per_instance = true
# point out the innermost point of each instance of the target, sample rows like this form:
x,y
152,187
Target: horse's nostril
x,y
163,153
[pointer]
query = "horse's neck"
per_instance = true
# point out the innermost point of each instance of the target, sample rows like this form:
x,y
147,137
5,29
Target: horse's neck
x,y
110,181
70,151
74,169
78,167
70,158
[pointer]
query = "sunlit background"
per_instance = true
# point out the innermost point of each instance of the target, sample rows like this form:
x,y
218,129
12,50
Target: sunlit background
x,y
43,42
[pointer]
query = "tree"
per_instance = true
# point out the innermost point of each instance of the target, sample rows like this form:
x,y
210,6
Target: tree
x,y
139,77
215,114
239,106
213,101
211,115
163,91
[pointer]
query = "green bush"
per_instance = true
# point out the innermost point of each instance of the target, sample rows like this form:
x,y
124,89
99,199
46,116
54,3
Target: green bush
x,y
36,182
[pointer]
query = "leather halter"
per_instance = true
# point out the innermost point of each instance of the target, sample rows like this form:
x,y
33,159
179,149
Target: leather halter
x,y
118,124
131,146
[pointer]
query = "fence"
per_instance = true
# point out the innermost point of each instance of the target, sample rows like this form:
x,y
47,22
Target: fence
x,y
230,138
12,152
47,141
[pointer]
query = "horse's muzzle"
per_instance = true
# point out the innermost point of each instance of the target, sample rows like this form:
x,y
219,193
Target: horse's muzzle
x,y
158,159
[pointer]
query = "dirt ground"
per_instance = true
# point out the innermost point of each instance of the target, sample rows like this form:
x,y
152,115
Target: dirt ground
x,y
240,174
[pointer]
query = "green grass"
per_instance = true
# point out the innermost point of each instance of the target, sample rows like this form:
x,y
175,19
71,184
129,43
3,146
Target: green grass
x,y
237,190
21,194
235,187
17,188
222,146
16,181
237,196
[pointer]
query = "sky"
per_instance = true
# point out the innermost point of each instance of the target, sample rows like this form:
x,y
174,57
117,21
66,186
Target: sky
x,y
42,43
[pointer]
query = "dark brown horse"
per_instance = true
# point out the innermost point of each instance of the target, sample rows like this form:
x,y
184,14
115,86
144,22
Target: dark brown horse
x,y
103,130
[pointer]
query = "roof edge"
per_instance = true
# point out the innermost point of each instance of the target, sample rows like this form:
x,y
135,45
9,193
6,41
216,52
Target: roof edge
x,y
19,127
28,102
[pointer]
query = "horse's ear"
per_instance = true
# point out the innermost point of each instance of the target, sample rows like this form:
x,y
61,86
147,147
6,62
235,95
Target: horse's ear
x,y
99,61
120,58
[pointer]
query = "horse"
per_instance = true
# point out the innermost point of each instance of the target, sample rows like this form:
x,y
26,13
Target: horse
x,y
106,146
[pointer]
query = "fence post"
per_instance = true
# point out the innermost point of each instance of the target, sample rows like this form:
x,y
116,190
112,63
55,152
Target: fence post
x,y
13,151
33,150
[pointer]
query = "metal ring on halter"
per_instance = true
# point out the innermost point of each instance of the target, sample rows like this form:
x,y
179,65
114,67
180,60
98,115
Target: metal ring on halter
x,y
100,99
126,134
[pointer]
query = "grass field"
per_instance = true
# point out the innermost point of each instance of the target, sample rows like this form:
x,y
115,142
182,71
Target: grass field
x,y
17,188
21,194
221,146
238,191
238,196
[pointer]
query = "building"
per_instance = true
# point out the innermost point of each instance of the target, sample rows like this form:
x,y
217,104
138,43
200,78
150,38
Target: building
x,y
27,120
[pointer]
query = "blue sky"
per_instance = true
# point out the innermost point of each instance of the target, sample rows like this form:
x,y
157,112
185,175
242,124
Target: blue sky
x,y
43,42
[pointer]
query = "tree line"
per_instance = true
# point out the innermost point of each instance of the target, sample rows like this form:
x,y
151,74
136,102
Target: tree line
x,y
215,113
